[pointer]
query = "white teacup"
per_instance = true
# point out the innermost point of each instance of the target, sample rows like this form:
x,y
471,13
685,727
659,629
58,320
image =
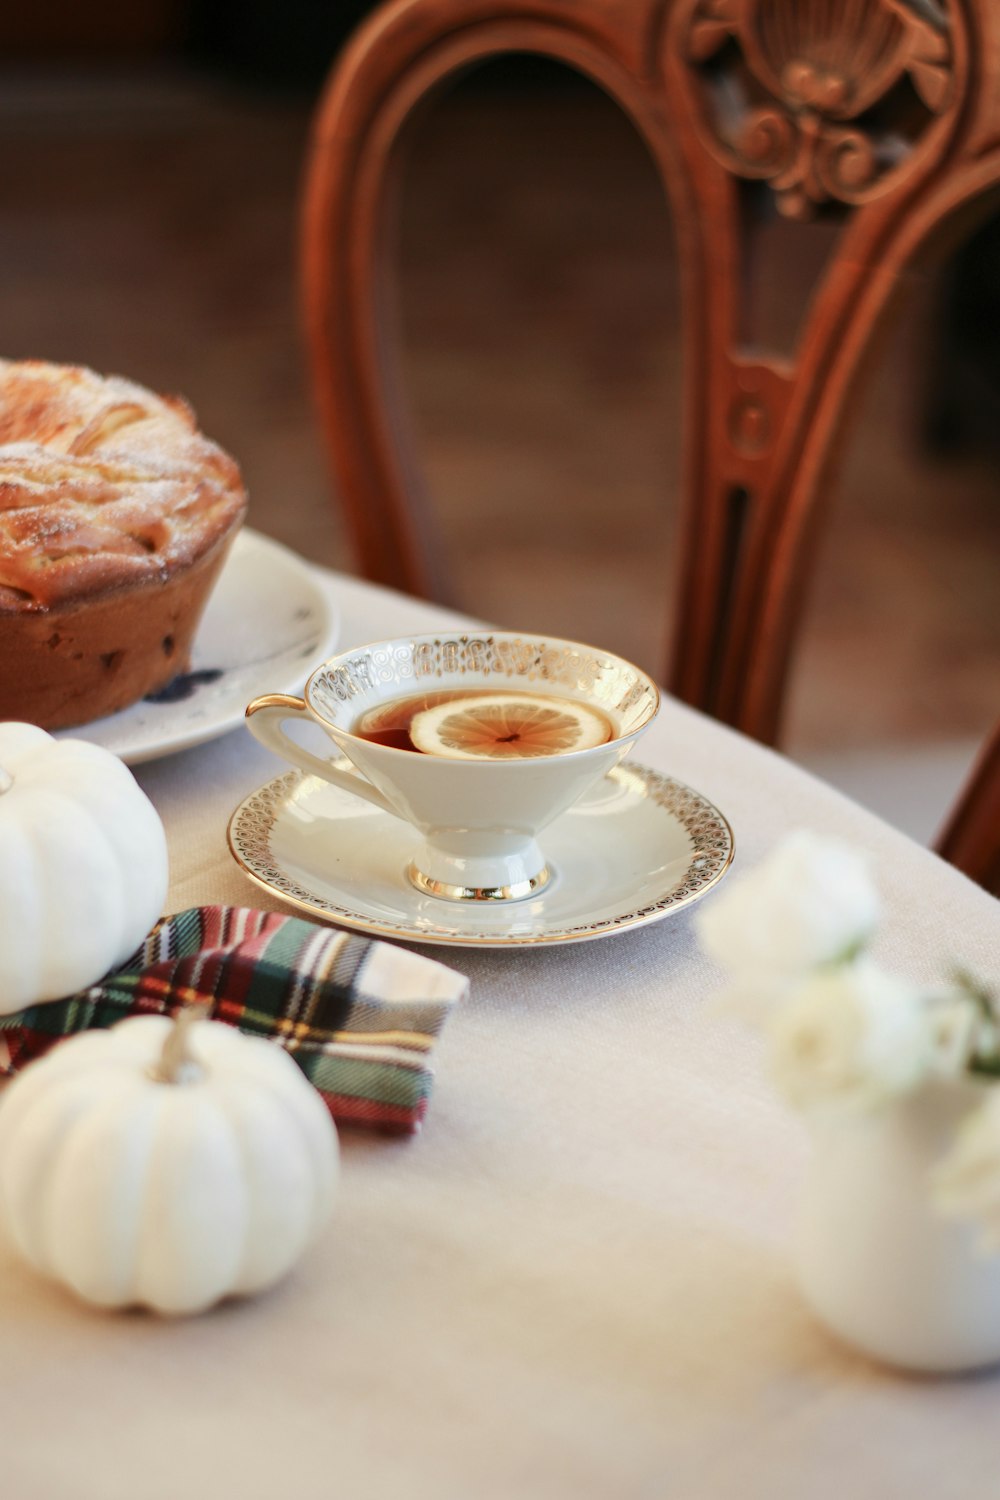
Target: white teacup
x,y
479,818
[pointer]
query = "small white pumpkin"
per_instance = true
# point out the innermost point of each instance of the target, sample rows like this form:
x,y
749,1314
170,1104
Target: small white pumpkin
x,y
83,865
165,1164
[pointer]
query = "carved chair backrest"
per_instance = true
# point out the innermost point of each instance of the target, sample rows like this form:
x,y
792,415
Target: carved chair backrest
x,y
881,115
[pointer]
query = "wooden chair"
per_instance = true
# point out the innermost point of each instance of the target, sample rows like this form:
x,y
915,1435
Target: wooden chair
x,y
882,115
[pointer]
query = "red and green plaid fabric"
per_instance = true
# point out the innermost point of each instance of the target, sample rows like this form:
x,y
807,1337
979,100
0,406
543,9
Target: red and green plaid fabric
x,y
359,1017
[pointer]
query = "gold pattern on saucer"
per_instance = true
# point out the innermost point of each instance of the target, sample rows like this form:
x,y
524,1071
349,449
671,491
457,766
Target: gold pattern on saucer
x,y
253,823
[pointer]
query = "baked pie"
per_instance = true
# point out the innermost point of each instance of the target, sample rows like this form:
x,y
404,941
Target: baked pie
x,y
116,515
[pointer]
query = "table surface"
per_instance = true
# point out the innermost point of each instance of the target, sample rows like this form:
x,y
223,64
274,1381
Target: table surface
x,y
574,1282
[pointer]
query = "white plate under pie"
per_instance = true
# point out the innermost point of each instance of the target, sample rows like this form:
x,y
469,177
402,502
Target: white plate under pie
x,y
639,847
268,623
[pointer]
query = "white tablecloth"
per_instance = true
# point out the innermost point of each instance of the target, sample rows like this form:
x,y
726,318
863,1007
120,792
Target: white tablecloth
x,y
574,1283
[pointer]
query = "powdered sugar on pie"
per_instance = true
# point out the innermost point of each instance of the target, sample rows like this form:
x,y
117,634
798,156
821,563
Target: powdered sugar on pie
x,y
103,485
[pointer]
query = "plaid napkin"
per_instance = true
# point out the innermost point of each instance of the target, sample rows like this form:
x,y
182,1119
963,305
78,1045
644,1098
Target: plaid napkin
x,y
359,1017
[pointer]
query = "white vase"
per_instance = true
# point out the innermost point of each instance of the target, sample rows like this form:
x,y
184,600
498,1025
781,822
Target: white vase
x,y
876,1262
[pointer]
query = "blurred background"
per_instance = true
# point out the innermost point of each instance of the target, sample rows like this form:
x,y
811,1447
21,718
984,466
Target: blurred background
x,y
151,155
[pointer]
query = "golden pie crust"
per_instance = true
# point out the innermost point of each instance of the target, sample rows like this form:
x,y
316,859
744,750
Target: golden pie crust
x,y
116,515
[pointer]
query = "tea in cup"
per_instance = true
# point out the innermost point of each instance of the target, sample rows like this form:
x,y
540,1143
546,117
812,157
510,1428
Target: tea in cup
x,y
477,740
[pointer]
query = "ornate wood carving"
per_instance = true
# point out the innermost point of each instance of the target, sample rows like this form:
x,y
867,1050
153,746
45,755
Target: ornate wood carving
x,y
881,114
793,102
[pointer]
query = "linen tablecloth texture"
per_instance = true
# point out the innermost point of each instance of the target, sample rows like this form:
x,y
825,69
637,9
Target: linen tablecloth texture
x,y
574,1283
359,1017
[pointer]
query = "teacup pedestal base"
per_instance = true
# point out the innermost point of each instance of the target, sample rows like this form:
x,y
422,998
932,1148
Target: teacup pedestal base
x,y
515,875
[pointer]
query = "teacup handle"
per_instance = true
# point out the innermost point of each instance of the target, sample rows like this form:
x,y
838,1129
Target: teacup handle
x,y
265,720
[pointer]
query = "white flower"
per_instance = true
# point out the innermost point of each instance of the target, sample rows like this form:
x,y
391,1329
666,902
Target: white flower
x,y
811,902
966,1184
850,1038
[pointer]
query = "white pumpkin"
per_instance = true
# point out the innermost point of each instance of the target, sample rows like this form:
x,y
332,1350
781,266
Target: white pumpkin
x,y
83,865
165,1164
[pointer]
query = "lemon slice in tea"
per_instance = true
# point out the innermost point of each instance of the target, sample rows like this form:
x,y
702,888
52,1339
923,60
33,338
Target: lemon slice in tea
x,y
508,726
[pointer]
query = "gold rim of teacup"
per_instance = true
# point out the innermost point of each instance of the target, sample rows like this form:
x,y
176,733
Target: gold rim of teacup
x,y
434,637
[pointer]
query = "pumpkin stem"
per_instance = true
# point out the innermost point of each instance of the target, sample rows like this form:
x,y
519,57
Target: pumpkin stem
x,y
169,1068
6,781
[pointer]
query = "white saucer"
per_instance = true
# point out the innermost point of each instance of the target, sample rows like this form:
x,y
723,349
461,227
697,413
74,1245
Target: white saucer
x,y
268,623
636,849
